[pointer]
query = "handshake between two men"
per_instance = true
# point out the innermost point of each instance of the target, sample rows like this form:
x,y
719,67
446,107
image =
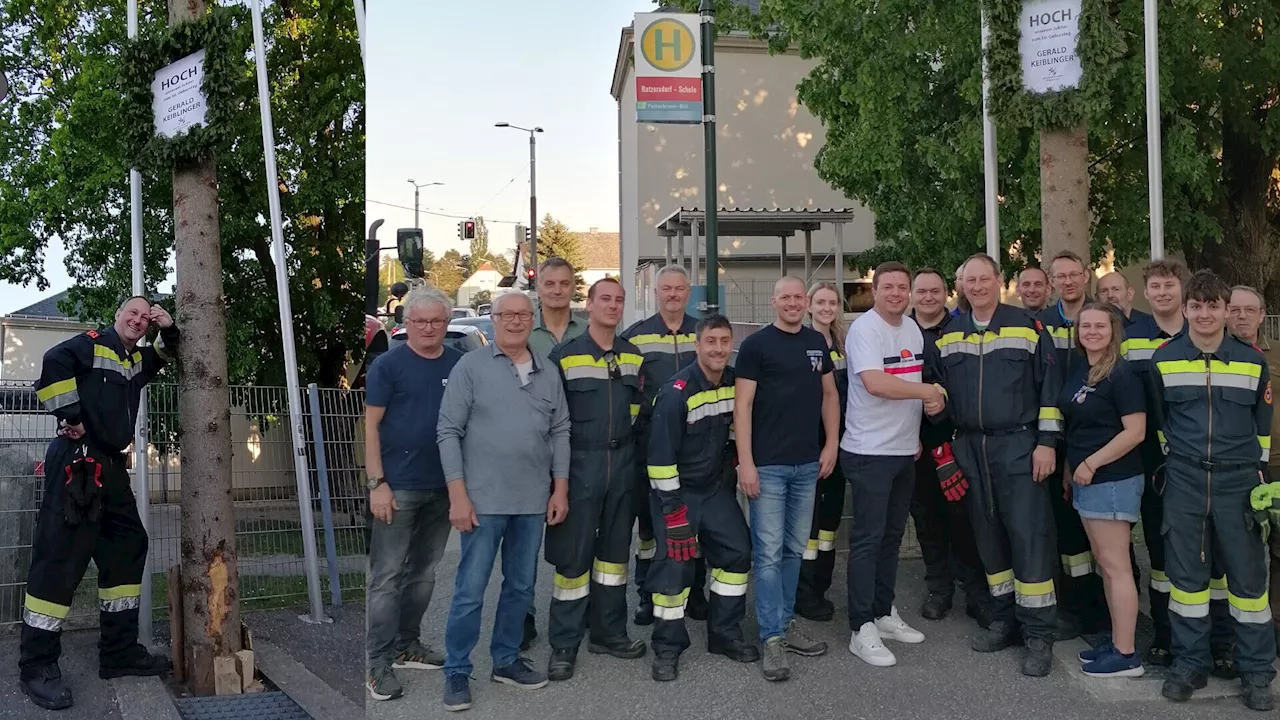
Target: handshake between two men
x,y
935,399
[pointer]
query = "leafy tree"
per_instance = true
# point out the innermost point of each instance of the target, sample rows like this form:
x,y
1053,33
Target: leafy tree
x,y
66,175
449,273
898,87
479,247
555,240
481,298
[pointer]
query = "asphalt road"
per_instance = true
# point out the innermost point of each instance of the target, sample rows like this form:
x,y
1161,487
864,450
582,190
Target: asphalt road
x,y
95,699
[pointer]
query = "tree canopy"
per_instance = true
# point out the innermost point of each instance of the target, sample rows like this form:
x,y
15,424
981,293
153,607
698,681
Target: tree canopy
x,y
555,240
66,174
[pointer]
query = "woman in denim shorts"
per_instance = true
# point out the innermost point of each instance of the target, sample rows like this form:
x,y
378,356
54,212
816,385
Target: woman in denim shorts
x,y
1104,407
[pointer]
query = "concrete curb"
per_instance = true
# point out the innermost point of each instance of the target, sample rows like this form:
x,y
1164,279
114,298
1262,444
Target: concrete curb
x,y
1140,689
311,693
144,698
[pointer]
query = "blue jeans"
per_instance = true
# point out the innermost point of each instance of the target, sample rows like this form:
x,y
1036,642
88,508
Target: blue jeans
x,y
781,517
520,537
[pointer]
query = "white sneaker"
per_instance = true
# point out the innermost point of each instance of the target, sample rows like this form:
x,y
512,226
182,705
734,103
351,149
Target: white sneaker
x,y
892,627
866,644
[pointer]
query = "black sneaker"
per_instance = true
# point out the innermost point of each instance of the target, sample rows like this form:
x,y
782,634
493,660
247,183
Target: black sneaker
x,y
1181,682
45,687
1257,694
644,614
519,674
936,606
134,661
696,609
994,639
666,665
457,693
562,663
736,649
530,633
383,684
1037,657
620,647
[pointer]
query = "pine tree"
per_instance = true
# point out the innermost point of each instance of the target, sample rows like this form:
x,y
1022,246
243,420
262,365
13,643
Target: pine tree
x,y
555,240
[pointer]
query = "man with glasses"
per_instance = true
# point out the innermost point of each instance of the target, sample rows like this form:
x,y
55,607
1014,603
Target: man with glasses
x,y
407,496
506,484
601,374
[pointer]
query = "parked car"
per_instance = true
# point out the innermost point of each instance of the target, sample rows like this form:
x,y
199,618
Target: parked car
x,y
484,309
464,338
462,313
484,322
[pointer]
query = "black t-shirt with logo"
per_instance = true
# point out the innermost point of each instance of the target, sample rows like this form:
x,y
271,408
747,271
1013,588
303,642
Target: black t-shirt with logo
x,y
1093,416
787,412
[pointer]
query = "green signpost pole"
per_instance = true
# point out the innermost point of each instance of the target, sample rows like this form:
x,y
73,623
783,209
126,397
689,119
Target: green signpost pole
x,y
708,12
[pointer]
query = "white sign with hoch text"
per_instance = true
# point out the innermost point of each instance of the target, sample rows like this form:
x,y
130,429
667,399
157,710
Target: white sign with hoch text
x,y
1049,30
177,93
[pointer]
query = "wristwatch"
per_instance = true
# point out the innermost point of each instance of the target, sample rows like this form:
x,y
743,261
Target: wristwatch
x,y
373,482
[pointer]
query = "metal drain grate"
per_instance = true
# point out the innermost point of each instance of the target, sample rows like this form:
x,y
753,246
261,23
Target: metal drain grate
x,y
259,706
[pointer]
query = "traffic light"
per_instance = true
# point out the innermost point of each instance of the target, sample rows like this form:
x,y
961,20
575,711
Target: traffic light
x,y
522,234
531,274
528,235
466,230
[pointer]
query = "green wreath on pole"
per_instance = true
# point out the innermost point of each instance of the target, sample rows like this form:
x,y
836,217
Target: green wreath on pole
x,y
1099,46
144,55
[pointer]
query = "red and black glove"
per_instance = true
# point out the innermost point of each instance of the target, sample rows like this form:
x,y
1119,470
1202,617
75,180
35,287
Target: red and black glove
x,y
681,544
953,483
83,499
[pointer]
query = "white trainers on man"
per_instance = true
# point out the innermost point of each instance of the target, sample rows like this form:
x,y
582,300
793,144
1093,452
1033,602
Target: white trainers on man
x,y
868,646
892,627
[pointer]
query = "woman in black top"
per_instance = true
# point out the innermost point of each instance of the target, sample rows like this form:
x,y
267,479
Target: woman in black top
x,y
1104,408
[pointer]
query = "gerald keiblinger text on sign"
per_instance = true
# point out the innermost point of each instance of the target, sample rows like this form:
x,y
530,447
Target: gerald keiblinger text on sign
x,y
178,100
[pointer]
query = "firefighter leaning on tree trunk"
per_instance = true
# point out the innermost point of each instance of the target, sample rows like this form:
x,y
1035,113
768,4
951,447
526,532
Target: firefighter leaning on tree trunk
x,y
92,384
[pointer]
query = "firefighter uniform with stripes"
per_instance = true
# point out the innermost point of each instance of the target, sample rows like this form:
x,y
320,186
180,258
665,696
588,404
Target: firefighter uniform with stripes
x,y
1002,383
665,352
1080,590
691,473
828,509
88,509
1143,336
1214,415
590,549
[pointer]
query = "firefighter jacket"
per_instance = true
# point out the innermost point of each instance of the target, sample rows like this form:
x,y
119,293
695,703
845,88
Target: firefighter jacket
x,y
1063,332
690,436
1142,338
934,433
1001,379
842,386
664,351
1216,407
90,379
602,388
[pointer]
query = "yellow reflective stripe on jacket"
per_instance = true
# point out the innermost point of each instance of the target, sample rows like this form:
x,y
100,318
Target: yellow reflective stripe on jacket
x,y
666,343
577,367
59,394
1183,373
104,358
664,477
1062,337
1050,419
1265,442
1010,338
709,402
1140,348
838,360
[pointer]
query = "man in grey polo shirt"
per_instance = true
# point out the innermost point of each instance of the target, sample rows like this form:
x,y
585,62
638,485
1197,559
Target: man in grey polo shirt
x,y
504,446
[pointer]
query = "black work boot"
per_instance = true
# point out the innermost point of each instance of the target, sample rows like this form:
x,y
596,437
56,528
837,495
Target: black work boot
x,y
1068,627
134,661
735,649
644,612
619,647
1181,682
1257,693
666,665
980,613
696,609
1037,657
816,609
530,632
995,638
562,663
1158,654
936,606
45,687
1224,663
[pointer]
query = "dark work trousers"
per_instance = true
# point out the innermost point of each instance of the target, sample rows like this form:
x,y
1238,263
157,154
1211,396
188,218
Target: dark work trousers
x,y
881,487
1013,525
725,541
646,547
820,555
589,549
1080,590
60,555
1207,517
946,537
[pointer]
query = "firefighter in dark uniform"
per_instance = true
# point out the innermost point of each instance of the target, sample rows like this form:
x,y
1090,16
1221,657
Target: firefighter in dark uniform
x,y
1163,281
589,549
1215,410
666,340
695,505
997,365
92,384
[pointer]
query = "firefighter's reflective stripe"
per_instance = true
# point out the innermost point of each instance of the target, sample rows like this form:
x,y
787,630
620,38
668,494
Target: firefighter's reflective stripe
x,y
826,540
566,588
1035,595
838,360
607,573
1183,373
1139,349
1050,419
58,395
43,614
1063,337
1000,583
119,598
1078,565
653,342
104,358
670,607
1009,338
708,403
646,549
1250,610
1218,588
810,550
664,477
1189,604
578,367
635,412
1265,442
1159,581
728,584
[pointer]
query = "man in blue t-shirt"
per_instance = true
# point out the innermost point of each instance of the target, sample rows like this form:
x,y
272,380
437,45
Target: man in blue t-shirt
x,y
408,501
785,390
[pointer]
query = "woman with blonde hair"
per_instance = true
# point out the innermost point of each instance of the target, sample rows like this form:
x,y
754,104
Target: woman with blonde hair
x,y
826,313
1104,407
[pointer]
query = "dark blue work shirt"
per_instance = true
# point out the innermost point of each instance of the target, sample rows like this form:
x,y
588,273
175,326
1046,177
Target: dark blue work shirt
x,y
787,411
410,387
1093,416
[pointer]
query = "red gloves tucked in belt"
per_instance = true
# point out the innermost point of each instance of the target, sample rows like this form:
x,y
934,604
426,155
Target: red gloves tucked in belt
x,y
681,544
953,483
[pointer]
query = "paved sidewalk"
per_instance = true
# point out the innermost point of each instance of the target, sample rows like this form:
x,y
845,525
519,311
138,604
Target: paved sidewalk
x,y
940,679
95,699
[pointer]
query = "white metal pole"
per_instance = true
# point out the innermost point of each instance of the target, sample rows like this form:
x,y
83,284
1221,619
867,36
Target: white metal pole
x,y
990,173
141,458
360,30
1155,168
301,470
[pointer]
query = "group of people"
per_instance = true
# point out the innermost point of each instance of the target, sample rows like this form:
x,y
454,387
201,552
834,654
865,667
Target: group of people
x,y
1024,442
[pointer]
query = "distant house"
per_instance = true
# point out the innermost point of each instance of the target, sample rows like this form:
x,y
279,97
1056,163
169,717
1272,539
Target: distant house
x,y
600,252
485,278
26,334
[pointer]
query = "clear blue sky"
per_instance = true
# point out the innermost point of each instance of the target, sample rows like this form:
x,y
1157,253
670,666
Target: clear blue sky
x,y
442,73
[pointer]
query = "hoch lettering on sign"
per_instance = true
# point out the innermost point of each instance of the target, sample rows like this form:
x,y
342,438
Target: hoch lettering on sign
x,y
1051,18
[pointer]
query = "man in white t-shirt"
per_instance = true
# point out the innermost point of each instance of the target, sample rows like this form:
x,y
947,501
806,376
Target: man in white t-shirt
x,y
881,442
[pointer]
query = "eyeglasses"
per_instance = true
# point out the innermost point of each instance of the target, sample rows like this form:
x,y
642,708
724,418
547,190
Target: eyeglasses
x,y
1245,311
433,324
1068,276
523,316
611,362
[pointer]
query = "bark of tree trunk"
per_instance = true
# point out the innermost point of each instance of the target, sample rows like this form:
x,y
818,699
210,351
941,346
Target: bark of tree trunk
x,y
1064,192
210,566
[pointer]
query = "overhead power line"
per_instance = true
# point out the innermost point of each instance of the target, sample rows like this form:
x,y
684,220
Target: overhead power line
x,y
446,215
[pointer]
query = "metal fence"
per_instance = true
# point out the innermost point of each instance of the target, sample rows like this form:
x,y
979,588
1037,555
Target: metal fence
x,y
269,534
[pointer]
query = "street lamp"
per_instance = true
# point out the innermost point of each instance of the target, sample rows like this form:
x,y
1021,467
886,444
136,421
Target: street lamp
x,y
416,186
533,189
